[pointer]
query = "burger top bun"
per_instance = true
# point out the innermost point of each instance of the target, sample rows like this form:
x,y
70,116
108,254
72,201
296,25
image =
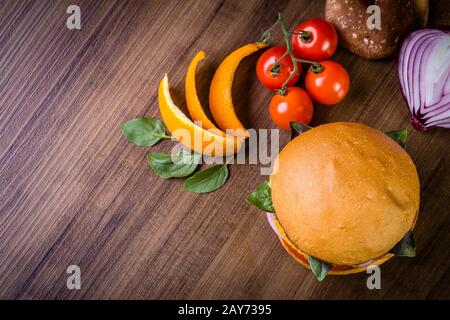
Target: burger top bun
x,y
345,193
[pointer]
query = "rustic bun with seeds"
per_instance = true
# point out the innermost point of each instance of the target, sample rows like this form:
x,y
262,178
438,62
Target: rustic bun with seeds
x,y
398,19
345,193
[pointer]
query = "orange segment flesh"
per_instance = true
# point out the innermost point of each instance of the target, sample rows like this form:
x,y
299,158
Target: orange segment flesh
x,y
220,93
193,103
190,134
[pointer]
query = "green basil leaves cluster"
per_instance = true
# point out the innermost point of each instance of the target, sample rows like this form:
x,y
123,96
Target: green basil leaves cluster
x,y
146,132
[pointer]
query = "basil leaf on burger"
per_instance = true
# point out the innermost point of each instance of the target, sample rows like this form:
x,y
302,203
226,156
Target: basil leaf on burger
x,y
406,247
298,128
261,197
319,268
400,136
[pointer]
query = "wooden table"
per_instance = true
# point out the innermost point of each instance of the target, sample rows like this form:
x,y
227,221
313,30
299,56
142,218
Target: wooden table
x,y
73,191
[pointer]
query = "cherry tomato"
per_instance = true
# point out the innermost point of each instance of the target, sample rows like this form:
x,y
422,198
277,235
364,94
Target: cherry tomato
x,y
296,105
274,79
328,86
316,40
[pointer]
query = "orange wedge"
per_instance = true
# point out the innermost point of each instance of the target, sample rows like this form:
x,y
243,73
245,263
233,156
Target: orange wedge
x,y
190,134
193,103
220,93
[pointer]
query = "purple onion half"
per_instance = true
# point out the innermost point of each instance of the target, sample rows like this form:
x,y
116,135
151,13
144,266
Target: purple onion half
x,y
424,74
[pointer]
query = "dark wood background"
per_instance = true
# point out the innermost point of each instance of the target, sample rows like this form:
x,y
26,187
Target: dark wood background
x,y
73,191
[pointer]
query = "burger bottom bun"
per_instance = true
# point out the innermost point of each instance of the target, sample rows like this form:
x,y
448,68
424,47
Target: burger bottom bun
x,y
295,254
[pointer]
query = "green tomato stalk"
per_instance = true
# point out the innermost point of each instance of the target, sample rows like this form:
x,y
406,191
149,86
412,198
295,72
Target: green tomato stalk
x,y
306,36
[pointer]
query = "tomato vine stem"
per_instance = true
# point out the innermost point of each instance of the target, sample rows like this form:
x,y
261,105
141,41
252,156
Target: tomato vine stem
x,y
265,38
306,36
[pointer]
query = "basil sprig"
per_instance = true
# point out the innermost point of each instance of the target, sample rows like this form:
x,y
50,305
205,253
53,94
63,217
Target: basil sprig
x,y
399,136
261,197
319,268
207,180
144,132
405,247
297,128
177,165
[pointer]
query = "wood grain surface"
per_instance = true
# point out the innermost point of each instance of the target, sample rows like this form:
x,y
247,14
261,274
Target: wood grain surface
x,y
74,191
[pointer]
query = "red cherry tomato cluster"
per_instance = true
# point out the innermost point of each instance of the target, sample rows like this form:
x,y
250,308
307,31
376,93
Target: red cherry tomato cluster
x,y
326,82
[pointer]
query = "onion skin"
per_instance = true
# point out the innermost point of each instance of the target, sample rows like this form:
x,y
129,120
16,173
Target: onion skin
x,y
424,74
417,124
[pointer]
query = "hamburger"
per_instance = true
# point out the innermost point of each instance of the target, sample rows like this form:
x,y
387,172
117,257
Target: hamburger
x,y
342,197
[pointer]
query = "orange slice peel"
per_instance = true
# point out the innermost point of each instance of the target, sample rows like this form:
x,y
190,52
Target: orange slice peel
x,y
190,134
220,94
194,106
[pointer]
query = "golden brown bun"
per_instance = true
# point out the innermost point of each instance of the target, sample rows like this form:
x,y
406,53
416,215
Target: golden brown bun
x,y
345,193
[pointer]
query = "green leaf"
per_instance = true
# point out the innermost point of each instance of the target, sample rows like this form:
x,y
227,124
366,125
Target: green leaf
x,y
144,132
319,268
207,180
181,164
406,247
400,136
298,128
261,197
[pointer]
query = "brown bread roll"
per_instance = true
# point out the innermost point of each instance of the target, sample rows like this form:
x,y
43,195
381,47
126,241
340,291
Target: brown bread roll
x,y
398,18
